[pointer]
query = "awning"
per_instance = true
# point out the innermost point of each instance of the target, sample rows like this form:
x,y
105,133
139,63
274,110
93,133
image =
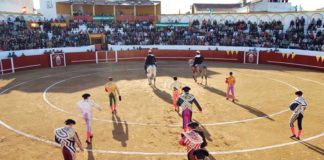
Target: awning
x,y
102,18
172,24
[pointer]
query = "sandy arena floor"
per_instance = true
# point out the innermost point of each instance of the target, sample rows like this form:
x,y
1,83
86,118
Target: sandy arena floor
x,y
33,103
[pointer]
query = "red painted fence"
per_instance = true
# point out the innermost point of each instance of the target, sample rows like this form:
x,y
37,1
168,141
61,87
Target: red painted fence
x,y
43,61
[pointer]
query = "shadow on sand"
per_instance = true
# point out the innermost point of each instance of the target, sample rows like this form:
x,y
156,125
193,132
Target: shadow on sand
x,y
120,132
313,147
249,108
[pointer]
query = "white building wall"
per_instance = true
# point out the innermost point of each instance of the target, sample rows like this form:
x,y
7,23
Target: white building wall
x,y
48,8
16,5
280,7
271,7
259,7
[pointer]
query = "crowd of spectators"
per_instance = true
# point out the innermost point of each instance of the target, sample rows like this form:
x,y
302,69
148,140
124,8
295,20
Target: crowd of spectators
x,y
15,34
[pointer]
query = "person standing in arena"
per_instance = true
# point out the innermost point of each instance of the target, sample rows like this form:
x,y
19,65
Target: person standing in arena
x,y
150,60
67,137
230,81
176,87
195,127
85,107
192,140
185,103
298,107
112,90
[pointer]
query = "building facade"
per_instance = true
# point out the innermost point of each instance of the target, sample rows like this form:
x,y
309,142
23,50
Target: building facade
x,y
244,6
116,9
17,6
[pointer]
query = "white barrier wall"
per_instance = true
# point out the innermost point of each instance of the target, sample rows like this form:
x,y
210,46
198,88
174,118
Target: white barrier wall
x,y
4,54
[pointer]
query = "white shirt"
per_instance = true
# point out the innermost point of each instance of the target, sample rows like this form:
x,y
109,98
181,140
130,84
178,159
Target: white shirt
x,y
86,106
176,84
302,105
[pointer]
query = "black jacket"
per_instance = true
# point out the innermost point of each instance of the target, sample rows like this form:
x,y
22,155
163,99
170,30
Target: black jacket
x,y
150,60
198,60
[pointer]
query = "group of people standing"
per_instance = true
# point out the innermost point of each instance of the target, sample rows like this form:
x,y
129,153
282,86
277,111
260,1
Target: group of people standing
x,y
192,136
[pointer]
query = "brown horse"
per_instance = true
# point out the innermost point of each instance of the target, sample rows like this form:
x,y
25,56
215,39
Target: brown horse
x,y
198,71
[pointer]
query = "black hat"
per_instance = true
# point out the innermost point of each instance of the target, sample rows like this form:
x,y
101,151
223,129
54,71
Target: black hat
x,y
201,153
299,93
186,88
86,96
70,122
193,125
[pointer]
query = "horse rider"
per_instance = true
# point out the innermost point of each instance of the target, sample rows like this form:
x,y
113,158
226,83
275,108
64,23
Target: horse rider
x,y
150,60
198,60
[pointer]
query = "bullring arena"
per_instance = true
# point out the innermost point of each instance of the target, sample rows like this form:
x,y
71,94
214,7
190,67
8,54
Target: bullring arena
x,y
54,54
35,102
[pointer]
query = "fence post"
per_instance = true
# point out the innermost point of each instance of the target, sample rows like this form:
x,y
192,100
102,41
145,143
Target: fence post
x,y
258,53
64,59
116,56
106,52
51,59
244,57
1,66
12,65
97,61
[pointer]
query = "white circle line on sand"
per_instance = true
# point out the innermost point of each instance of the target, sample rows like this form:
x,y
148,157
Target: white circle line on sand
x,y
151,153
156,124
43,140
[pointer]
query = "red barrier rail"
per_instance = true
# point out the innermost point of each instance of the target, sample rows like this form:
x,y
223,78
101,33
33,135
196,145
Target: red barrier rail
x,y
43,61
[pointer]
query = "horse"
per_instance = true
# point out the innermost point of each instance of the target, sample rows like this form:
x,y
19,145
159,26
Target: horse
x,y
151,74
199,70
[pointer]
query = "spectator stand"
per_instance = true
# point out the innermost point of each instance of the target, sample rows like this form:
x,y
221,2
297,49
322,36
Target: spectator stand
x,y
57,59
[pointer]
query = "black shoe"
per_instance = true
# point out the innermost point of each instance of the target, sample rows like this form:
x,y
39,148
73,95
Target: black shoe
x,y
88,142
91,136
293,136
298,138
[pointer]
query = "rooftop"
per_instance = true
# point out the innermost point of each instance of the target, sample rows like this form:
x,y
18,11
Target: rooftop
x,y
113,2
208,6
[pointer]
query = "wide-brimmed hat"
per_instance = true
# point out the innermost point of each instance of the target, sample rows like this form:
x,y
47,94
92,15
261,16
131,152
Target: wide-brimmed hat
x,y
193,125
186,88
86,95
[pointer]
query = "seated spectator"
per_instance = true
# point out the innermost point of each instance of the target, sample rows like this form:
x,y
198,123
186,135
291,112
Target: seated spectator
x,y
15,35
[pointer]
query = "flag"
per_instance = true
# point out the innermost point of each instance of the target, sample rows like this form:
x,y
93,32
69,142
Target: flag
x,y
288,54
318,58
283,55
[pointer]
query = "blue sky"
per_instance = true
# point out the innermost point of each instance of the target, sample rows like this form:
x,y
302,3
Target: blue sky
x,y
173,6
